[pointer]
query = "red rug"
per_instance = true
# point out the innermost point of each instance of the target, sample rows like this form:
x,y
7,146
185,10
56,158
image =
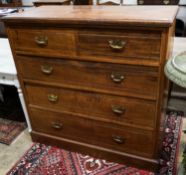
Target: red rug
x,y
9,130
41,159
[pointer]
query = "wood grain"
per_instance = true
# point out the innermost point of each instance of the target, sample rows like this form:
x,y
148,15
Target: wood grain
x,y
59,42
158,2
137,82
51,2
95,105
137,142
98,15
138,44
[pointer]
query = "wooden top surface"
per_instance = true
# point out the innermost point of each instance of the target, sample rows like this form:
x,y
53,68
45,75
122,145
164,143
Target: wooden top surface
x,y
136,15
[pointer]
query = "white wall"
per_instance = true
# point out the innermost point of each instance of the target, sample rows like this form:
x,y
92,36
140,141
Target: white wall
x,y
182,1
27,2
133,2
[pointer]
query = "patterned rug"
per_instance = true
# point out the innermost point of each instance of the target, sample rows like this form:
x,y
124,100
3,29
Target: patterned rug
x,y
9,130
41,159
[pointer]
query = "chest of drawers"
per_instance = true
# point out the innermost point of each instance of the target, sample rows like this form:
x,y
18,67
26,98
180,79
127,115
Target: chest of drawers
x,y
93,78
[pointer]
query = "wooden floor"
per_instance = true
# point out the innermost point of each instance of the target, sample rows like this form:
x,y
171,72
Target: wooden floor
x,y
9,155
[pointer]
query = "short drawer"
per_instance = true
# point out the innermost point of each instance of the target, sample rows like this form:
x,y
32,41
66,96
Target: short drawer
x,y
111,78
44,42
120,110
120,46
101,134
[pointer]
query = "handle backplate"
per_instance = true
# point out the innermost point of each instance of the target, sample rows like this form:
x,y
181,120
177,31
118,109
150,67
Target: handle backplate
x,y
141,2
166,2
117,77
119,110
46,69
117,44
57,125
41,40
118,139
52,98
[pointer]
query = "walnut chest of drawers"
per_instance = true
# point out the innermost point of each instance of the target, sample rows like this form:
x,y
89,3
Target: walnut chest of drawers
x,y
93,77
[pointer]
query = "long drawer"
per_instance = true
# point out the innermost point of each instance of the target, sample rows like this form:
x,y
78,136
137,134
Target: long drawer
x,y
45,42
111,78
120,45
158,2
92,132
112,109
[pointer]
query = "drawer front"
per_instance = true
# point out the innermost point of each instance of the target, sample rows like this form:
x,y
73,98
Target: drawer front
x,y
110,78
158,2
46,2
92,132
44,42
109,108
133,45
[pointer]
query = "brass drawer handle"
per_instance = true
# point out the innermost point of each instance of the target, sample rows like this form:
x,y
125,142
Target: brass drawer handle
x,y
119,110
52,98
118,139
41,40
117,77
166,2
56,125
141,2
117,44
46,69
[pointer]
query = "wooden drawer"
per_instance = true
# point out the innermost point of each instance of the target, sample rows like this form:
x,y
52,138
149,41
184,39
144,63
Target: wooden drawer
x,y
51,2
89,131
127,44
111,78
158,2
44,42
120,110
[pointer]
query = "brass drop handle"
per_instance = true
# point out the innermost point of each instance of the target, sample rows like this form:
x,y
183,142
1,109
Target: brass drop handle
x,y
56,125
52,98
117,77
118,139
117,44
141,2
41,40
119,110
166,2
46,69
